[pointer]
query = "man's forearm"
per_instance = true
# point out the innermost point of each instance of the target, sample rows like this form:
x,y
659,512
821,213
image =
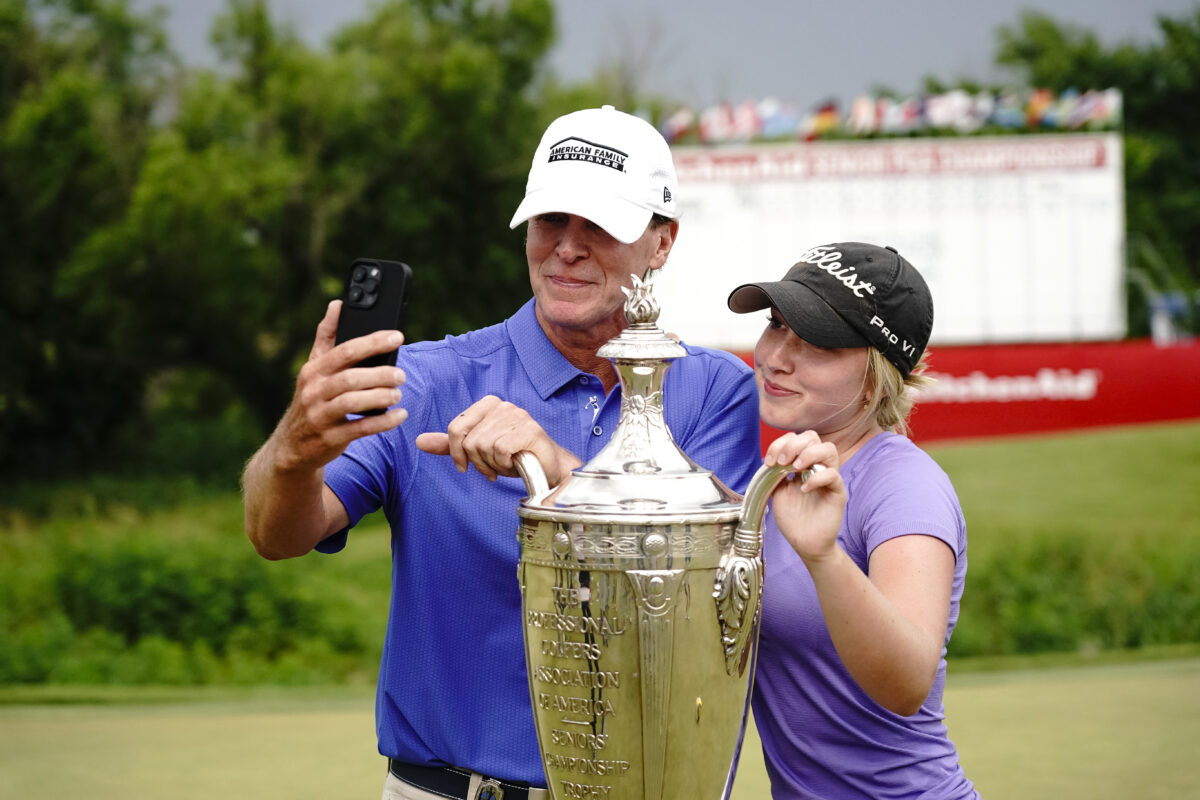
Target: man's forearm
x,y
285,510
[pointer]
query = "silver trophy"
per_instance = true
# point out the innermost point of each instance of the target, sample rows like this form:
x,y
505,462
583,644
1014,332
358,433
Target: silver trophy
x,y
641,582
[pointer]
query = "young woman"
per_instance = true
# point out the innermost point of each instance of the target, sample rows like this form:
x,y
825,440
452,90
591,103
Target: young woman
x,y
866,560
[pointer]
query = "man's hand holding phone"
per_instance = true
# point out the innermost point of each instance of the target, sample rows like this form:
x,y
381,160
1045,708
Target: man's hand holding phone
x,y
331,386
350,380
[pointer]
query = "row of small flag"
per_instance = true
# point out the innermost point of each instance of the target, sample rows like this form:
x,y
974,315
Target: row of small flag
x,y
956,111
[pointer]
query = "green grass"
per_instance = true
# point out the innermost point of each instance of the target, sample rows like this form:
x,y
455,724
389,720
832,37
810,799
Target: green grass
x,y
1117,731
1078,724
1130,484
179,744
1105,732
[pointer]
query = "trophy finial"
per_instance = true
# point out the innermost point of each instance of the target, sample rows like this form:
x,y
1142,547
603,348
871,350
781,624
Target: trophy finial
x,y
640,306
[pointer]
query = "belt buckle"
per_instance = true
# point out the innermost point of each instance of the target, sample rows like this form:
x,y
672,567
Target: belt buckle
x,y
489,789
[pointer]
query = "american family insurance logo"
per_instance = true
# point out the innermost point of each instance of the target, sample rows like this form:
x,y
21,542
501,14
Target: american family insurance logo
x,y
572,149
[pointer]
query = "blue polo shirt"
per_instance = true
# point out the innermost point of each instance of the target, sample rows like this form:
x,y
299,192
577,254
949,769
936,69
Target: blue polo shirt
x,y
452,688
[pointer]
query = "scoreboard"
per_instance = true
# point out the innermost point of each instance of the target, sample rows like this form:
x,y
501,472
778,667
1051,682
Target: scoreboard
x,y
1021,238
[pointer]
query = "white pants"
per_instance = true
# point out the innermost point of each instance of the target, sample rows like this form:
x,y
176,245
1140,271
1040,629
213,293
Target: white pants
x,y
396,789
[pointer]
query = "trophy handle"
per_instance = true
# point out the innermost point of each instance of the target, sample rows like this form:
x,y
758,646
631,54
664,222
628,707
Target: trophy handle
x,y
738,588
530,470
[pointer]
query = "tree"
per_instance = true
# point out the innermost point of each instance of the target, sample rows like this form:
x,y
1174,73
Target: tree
x,y
78,85
200,289
1161,89
451,121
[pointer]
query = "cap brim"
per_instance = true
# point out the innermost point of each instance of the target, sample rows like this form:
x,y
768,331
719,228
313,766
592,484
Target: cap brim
x,y
804,311
625,221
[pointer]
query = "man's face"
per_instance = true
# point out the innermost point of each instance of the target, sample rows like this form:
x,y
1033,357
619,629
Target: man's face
x,y
577,269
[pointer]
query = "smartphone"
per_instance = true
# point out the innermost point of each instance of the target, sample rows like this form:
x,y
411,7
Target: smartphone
x,y
375,298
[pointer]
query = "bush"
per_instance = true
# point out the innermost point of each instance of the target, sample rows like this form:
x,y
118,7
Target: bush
x,y
110,580
146,607
199,592
1071,592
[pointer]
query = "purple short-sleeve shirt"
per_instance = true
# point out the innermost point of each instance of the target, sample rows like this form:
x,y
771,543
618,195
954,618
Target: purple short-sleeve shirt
x,y
823,736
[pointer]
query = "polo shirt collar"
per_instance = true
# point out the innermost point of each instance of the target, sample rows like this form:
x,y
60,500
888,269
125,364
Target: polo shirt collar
x,y
548,369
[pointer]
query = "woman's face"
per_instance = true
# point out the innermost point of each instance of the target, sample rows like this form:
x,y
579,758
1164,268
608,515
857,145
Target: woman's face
x,y
804,387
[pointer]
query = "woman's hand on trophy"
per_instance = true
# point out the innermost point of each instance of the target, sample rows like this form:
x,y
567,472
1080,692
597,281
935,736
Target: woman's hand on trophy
x,y
808,513
490,433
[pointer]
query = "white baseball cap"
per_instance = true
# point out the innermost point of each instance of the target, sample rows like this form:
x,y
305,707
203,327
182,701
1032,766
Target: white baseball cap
x,y
603,165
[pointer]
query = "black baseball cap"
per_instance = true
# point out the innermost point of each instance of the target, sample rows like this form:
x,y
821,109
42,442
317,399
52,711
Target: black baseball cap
x,y
850,295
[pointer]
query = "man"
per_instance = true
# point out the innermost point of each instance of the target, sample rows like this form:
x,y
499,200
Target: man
x,y
453,708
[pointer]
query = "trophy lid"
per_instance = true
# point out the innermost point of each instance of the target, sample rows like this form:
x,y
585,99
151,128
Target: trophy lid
x,y
641,472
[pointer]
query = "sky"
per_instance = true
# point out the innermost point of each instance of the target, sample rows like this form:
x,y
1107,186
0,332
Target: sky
x,y
802,51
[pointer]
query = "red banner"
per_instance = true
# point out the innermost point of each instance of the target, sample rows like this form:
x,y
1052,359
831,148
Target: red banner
x,y
998,390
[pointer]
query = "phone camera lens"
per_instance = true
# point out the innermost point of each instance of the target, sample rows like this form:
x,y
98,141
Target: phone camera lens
x,y
355,295
358,274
